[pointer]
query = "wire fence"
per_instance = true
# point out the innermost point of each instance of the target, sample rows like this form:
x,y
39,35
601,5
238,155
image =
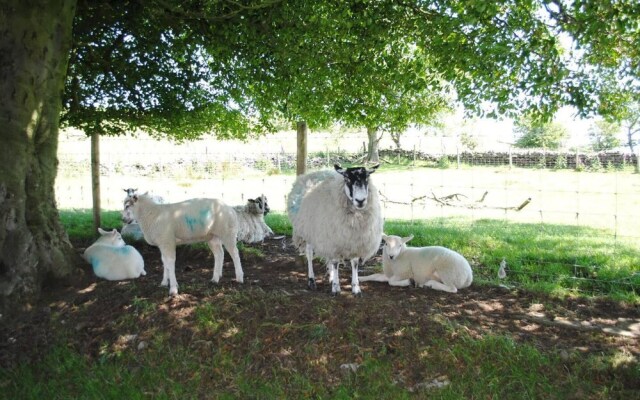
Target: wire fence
x,y
426,179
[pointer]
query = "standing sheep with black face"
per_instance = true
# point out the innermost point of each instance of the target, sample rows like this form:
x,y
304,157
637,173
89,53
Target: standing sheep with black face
x,y
337,216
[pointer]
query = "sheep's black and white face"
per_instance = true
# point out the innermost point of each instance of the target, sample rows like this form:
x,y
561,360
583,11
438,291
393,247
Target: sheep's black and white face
x,y
356,186
130,192
127,212
262,205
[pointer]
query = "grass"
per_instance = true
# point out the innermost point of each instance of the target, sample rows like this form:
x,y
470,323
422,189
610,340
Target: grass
x,y
287,359
225,355
554,259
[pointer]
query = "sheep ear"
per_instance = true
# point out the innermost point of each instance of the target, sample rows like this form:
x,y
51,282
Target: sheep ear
x,y
406,239
102,231
373,169
252,201
339,169
385,237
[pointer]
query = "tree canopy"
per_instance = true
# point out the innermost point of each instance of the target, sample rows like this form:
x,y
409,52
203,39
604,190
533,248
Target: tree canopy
x,y
184,68
237,67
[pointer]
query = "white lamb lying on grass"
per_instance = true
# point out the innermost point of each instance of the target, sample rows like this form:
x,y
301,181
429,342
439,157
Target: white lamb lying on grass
x,y
112,259
190,221
435,267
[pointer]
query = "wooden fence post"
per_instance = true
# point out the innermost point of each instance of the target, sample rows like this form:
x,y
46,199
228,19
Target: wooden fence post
x,y
95,179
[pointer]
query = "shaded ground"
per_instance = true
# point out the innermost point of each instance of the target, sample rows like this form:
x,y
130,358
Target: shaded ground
x,y
90,308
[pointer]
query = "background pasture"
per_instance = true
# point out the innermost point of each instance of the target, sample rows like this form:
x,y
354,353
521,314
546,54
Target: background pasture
x,y
578,216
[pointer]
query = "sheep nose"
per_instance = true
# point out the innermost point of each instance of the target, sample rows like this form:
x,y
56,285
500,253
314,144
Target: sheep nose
x,y
360,203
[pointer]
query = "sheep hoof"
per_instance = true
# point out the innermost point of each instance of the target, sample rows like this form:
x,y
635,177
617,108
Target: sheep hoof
x,y
334,294
312,284
412,282
357,294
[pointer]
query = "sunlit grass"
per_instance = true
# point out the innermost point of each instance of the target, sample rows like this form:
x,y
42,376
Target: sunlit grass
x,y
79,222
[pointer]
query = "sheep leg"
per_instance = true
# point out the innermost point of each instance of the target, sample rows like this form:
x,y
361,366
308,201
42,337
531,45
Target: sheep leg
x,y
375,278
399,282
311,283
440,286
215,245
165,275
334,277
169,263
232,249
355,284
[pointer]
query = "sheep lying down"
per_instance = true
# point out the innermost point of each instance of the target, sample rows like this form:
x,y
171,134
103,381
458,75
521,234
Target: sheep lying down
x,y
434,267
112,259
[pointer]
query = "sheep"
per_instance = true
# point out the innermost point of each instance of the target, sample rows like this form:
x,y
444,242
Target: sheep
x,y
190,221
336,215
112,259
251,225
130,227
435,267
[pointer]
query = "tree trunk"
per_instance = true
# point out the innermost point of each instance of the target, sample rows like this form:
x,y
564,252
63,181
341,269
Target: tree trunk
x,y
303,133
35,42
372,150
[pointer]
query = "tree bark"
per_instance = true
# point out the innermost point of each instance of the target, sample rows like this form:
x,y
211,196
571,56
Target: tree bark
x,y
301,160
373,155
35,41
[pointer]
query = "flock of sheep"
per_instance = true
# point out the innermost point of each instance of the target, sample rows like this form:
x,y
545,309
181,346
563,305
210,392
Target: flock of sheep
x,y
335,215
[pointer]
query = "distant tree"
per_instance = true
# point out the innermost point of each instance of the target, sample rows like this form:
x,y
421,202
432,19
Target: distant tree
x,y
604,135
631,124
533,133
468,140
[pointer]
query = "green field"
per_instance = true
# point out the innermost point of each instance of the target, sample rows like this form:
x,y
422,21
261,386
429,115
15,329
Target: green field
x,y
248,342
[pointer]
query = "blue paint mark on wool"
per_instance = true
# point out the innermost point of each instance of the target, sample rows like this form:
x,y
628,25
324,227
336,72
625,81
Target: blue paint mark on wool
x,y
200,221
95,262
190,222
205,215
122,250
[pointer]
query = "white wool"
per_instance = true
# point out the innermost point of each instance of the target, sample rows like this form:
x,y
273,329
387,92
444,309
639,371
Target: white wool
x,y
251,225
191,221
130,227
436,267
112,259
327,220
132,230
324,218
